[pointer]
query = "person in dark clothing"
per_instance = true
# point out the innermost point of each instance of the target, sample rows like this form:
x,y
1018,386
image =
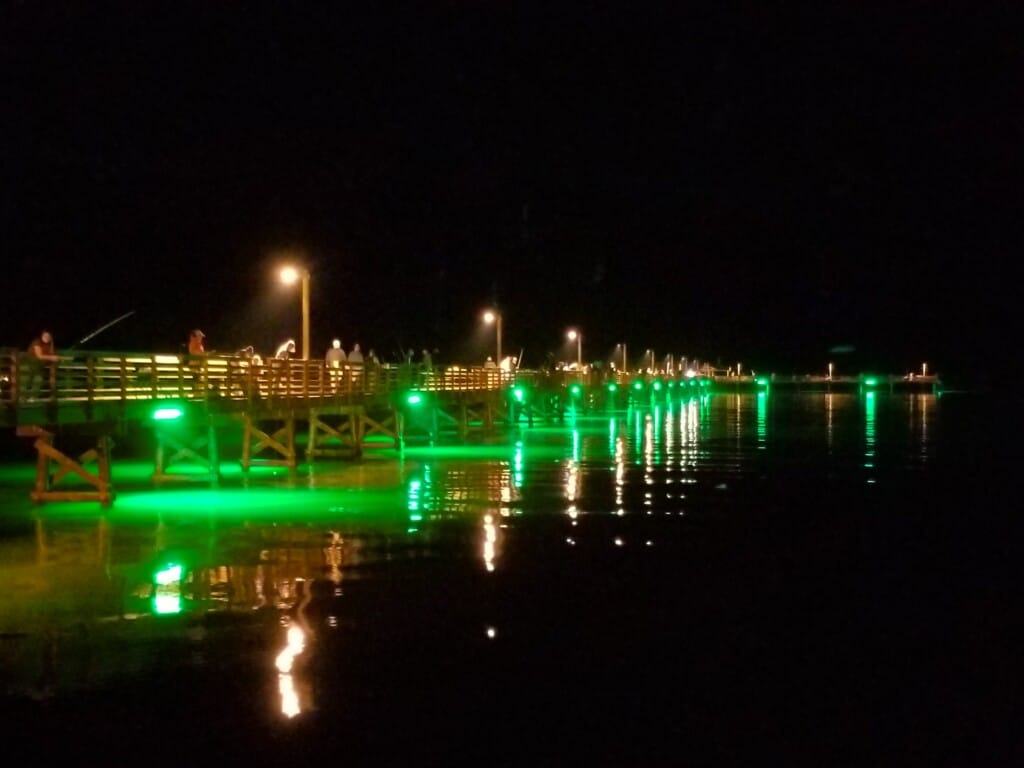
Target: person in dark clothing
x,y
39,362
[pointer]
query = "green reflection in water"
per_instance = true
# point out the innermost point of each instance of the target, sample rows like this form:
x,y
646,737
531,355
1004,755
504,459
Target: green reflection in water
x,y
517,465
869,431
762,420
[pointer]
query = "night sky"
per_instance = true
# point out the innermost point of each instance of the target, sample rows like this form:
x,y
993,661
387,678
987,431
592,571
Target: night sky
x,y
734,182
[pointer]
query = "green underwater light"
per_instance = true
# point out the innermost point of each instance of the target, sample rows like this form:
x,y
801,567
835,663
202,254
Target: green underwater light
x,y
168,413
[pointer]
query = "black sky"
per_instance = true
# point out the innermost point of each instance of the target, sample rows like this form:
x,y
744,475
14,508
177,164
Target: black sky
x,y
728,181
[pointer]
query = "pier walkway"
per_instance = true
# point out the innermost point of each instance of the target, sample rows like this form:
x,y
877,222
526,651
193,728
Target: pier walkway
x,y
186,400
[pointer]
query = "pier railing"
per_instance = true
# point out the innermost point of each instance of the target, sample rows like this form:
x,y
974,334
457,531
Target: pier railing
x,y
124,376
91,379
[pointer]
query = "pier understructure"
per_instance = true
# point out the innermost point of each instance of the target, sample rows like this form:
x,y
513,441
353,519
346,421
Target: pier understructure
x,y
285,411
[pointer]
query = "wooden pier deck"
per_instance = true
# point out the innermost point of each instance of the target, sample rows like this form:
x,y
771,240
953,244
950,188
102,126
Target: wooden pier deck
x,y
187,400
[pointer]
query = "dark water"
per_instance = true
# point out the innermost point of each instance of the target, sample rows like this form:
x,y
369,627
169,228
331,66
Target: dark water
x,y
808,579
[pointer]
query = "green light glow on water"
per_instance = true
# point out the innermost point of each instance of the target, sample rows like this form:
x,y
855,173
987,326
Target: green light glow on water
x,y
869,432
169,575
413,502
762,420
517,466
613,387
575,389
165,604
414,398
638,385
657,385
167,414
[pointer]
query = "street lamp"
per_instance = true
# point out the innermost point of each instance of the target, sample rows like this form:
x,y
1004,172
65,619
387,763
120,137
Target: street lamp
x,y
576,336
288,276
493,316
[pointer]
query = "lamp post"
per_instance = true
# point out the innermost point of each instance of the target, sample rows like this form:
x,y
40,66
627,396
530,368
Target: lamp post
x,y
576,336
288,276
493,316
623,345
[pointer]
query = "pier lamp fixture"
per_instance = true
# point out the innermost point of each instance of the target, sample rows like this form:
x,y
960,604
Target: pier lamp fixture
x,y
576,336
289,276
624,363
493,316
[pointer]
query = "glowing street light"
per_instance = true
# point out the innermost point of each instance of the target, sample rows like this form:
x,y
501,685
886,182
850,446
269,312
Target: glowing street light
x,y
576,336
623,345
493,316
289,275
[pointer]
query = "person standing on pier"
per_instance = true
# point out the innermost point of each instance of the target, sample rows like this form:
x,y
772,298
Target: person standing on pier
x,y
335,360
196,351
282,370
40,352
286,351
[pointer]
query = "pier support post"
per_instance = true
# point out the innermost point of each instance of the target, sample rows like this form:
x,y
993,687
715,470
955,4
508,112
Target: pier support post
x,y
47,454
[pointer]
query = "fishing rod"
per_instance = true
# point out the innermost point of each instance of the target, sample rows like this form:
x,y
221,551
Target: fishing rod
x,y
102,328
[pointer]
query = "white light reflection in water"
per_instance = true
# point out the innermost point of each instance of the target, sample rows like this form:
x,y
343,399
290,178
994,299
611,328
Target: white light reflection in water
x,y
688,418
869,433
648,458
490,538
829,421
921,404
294,645
738,416
669,434
638,435
333,558
572,477
620,470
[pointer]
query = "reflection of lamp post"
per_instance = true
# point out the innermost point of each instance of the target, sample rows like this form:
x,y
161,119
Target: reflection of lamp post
x,y
576,336
288,276
492,316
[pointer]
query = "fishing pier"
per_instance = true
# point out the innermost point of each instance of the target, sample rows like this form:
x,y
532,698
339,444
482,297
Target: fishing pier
x,y
278,405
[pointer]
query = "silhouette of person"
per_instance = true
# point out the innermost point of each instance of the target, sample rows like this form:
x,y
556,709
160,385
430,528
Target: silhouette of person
x,y
40,352
196,350
335,355
334,360
286,351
